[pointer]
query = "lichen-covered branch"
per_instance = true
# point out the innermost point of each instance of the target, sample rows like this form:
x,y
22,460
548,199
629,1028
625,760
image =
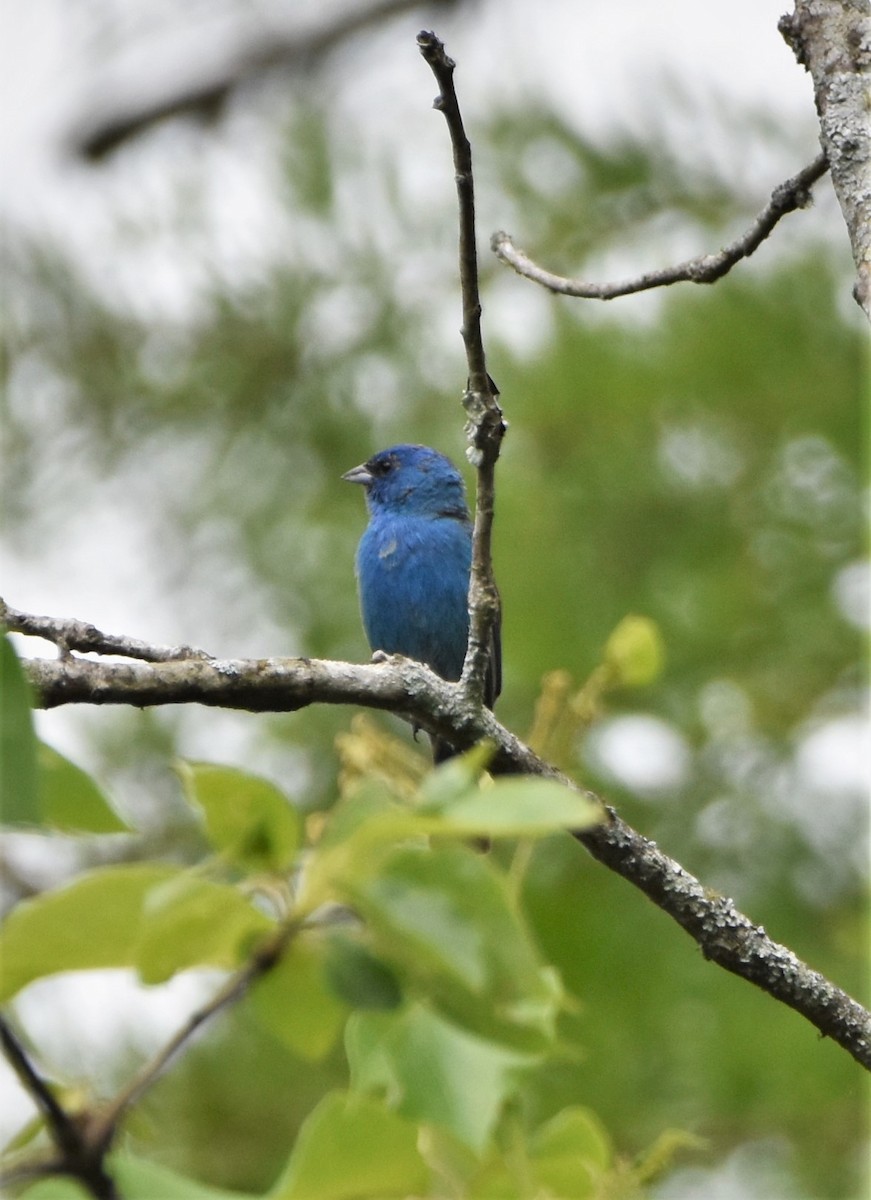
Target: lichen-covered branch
x,y
832,40
409,689
706,268
69,635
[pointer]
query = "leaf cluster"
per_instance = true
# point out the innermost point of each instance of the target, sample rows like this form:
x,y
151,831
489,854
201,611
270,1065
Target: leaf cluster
x,y
391,933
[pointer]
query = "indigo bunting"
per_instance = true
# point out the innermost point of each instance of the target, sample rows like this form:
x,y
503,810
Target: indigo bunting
x,y
413,565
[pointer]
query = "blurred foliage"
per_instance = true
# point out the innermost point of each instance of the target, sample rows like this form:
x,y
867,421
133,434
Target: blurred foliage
x,y
698,462
445,1000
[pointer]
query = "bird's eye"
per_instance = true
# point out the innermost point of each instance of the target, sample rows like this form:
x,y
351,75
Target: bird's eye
x,y
380,466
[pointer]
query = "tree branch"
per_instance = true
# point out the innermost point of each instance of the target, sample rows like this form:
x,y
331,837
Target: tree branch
x,y
103,135
61,1127
104,1126
706,268
84,1144
70,635
78,1156
410,690
832,40
485,427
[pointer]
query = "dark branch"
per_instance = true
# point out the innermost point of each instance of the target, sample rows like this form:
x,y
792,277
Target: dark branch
x,y
77,1154
84,1144
485,427
707,268
728,938
105,1126
410,690
60,1126
105,134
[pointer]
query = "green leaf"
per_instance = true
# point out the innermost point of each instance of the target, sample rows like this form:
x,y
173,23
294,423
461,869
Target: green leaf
x,y
635,652
70,799
361,830
137,1179
568,1157
370,804
455,777
444,920
571,1152
19,803
247,818
433,1071
353,1148
192,922
57,1188
524,806
294,1002
90,923
359,977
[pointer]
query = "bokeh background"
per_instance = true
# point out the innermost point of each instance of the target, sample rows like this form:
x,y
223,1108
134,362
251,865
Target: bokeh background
x,y
207,322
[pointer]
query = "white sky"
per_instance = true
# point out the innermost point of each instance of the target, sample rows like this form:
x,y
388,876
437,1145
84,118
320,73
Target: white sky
x,y
602,64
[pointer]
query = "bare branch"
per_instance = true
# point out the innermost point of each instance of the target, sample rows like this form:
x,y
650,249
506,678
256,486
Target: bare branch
x,y
61,1127
103,135
69,635
832,40
707,268
728,938
485,427
104,1127
84,1144
78,1156
410,690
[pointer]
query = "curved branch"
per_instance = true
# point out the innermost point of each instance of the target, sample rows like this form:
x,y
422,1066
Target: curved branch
x,y
409,689
832,40
706,268
205,98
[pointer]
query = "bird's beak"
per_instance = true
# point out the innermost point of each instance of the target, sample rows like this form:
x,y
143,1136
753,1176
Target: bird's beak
x,y
360,474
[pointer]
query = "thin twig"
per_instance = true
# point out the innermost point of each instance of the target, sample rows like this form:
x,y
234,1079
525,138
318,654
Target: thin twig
x,y
68,634
707,268
410,690
105,1124
84,1144
485,427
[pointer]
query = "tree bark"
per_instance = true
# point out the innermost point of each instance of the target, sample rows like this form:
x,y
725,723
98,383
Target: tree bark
x,y
832,40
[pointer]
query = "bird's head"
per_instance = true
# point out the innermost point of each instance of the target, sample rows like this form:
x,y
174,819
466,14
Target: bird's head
x,y
413,480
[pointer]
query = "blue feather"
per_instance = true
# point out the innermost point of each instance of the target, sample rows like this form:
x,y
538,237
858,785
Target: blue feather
x,y
414,560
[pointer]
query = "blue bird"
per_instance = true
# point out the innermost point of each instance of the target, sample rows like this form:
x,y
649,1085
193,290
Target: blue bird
x,y
413,564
